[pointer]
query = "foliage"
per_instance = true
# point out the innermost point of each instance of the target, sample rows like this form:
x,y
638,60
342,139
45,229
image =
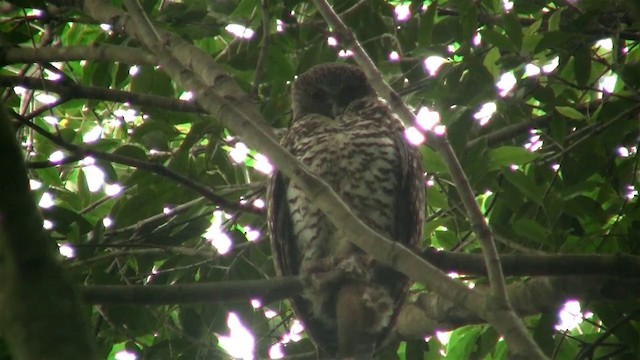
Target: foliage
x,y
554,166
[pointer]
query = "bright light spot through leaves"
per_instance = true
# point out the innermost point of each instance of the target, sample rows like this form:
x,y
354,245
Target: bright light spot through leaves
x,y
92,135
46,201
414,136
216,234
262,164
240,31
506,83
240,342
67,251
427,119
570,316
484,114
403,12
433,63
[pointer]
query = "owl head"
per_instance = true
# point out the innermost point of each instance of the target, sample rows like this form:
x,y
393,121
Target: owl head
x,y
329,89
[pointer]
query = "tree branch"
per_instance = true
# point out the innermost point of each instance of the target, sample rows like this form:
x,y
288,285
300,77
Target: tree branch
x,y
155,168
431,313
106,53
37,300
74,91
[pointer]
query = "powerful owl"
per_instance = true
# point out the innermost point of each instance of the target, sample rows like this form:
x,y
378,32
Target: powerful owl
x,y
350,138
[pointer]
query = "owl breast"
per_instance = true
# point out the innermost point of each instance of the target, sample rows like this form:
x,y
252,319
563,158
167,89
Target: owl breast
x,y
359,158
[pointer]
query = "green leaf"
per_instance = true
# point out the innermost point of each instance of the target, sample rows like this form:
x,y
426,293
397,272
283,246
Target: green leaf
x,y
570,112
490,62
148,80
513,28
526,186
531,230
554,20
495,38
432,161
510,155
426,25
582,65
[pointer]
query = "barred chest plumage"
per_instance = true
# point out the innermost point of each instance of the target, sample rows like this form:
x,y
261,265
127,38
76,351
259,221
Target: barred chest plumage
x,y
358,155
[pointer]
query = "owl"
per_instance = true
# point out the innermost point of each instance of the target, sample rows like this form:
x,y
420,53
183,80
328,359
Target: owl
x,y
350,138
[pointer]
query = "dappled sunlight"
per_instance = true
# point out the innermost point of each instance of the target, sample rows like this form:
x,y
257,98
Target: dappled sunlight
x,y
250,233
240,31
604,44
427,119
19,90
607,83
239,152
186,96
276,351
627,151
47,224
125,355
51,120
402,11
216,235
535,143
67,250
134,70
433,63
53,76
239,342
94,175
531,70
414,136
551,65
631,192
507,5
570,316
46,98
56,156
506,82
262,164
92,135
128,115
107,222
112,189
484,114
477,40
46,200
34,184
259,203
345,53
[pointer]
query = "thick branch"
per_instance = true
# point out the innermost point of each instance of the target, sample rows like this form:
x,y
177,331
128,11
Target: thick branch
x,y
74,91
40,312
430,312
107,53
212,293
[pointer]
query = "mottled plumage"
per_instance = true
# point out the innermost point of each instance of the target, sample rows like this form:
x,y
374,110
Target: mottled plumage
x,y
345,134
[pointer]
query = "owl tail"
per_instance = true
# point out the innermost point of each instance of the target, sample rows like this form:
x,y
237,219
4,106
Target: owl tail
x,y
362,312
